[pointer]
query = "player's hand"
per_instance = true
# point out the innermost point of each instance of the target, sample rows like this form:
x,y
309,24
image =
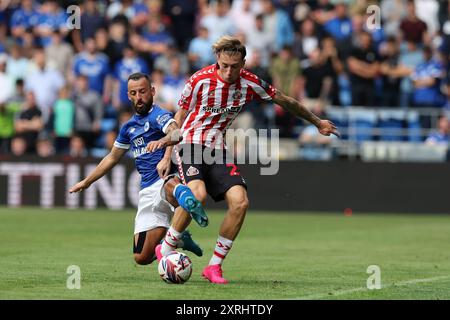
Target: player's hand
x,y
163,167
155,145
326,127
80,186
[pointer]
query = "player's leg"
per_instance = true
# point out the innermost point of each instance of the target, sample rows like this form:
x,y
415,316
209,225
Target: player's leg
x,y
181,218
224,181
145,243
179,194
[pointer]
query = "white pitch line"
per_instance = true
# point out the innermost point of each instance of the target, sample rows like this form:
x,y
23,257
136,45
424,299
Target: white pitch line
x,y
344,292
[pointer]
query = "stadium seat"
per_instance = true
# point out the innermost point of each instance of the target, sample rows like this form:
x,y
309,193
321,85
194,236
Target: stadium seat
x,y
390,123
361,124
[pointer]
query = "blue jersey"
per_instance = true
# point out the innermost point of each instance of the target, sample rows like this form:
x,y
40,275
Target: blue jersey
x,y
123,69
136,133
94,68
23,18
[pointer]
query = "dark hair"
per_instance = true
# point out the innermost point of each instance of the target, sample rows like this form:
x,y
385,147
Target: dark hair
x,y
139,75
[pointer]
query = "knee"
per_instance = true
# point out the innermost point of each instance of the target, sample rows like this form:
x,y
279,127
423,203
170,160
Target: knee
x,y
199,194
240,205
143,259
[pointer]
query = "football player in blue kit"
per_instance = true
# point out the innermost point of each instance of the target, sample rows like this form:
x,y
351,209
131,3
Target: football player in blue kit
x,y
148,133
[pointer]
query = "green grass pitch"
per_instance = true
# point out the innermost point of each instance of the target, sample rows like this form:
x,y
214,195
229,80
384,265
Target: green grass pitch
x,y
276,256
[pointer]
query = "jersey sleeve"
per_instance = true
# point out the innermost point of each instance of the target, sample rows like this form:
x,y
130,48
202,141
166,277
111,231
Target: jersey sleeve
x,y
163,120
262,89
123,140
187,97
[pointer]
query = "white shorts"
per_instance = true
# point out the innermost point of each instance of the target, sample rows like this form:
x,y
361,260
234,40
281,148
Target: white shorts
x,y
153,208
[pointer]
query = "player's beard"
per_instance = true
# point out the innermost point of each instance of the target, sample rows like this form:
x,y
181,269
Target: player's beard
x,y
144,108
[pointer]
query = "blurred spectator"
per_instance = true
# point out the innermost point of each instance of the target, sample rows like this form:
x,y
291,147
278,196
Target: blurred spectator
x,y
340,26
163,61
285,71
18,146
17,66
45,84
182,15
136,12
113,42
200,52
6,81
410,57
278,25
95,66
110,138
7,115
88,112
23,18
155,39
91,20
412,28
322,11
258,39
130,63
29,43
334,65
392,13
51,17
427,78
306,39
29,122
319,76
44,147
77,147
427,11
173,83
244,11
19,93
64,112
262,112
315,146
441,136
391,72
363,67
219,22
59,54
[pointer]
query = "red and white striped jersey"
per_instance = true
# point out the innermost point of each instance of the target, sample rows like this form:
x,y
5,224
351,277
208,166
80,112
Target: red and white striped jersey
x,y
213,104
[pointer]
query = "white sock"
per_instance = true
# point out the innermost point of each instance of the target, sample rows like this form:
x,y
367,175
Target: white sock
x,y
171,240
221,250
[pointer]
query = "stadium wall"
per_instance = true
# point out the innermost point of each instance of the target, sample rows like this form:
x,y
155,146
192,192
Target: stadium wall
x,y
298,186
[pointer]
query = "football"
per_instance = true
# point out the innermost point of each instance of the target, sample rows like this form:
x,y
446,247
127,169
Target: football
x,y
175,267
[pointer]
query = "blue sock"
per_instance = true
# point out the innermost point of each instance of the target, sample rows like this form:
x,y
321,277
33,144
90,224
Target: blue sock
x,y
181,192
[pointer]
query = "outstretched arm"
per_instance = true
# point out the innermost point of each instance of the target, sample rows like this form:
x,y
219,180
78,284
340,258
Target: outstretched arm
x,y
172,137
102,168
325,127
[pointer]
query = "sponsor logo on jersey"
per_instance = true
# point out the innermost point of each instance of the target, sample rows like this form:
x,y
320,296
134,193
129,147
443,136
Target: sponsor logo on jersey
x,y
162,118
192,171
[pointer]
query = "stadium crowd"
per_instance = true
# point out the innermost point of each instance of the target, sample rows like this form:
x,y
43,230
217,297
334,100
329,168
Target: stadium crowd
x,y
64,90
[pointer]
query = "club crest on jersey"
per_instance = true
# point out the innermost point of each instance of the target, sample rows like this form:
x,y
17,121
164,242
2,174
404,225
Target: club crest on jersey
x,y
237,95
192,171
146,126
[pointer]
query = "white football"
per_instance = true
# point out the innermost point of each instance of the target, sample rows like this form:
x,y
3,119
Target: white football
x,y
175,267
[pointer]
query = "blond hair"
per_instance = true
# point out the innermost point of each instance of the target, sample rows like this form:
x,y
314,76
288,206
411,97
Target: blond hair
x,y
230,45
